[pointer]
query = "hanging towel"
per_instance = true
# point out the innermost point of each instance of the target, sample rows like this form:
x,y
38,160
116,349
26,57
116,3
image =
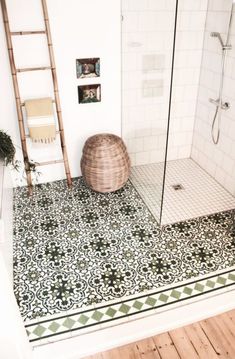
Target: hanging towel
x,y
40,119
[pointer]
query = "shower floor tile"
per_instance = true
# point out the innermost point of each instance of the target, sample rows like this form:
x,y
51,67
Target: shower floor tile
x,y
82,259
200,194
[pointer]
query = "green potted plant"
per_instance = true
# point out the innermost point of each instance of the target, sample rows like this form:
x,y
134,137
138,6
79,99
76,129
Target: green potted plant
x,y
7,149
7,157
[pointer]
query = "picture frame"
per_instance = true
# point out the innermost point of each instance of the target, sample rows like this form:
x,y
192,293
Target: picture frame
x,y
89,94
88,68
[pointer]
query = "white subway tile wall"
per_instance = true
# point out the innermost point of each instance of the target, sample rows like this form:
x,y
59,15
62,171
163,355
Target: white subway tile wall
x,y
147,42
217,160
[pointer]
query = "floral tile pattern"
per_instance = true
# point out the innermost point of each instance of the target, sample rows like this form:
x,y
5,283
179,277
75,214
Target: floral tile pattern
x,y
75,248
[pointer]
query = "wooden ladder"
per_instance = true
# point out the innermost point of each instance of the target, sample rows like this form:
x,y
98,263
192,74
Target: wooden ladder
x,y
20,104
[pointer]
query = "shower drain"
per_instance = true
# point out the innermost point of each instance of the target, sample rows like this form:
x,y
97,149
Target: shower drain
x,y
177,187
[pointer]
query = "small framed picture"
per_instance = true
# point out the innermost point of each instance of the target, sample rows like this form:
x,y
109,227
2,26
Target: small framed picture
x,y
89,93
87,68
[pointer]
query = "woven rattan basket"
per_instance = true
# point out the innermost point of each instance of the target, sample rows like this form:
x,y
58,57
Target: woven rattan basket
x,y
105,163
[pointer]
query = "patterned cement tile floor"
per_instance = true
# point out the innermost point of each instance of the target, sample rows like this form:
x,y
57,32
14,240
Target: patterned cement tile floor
x,y
75,248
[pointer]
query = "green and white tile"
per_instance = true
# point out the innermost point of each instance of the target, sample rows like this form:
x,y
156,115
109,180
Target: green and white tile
x,y
83,259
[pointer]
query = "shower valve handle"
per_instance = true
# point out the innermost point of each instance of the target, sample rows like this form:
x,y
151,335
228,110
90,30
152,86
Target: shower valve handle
x,y
226,106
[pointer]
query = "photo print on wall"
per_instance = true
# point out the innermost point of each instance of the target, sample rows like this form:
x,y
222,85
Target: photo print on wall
x,y
87,68
89,93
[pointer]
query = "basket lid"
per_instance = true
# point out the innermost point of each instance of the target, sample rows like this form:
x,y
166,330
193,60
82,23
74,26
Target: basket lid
x,y
103,140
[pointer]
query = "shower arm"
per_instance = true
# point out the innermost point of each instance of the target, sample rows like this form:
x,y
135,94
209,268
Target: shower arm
x,y
224,46
217,34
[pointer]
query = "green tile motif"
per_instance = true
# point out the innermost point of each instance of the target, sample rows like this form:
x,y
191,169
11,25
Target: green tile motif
x,y
138,305
163,298
39,330
83,319
151,301
54,326
111,312
69,323
231,277
124,308
210,284
97,315
175,294
188,290
221,280
199,287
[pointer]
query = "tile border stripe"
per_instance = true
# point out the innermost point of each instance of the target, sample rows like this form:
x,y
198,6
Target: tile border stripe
x,y
124,309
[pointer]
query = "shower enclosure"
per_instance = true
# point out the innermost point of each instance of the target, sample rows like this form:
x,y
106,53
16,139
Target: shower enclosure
x,y
178,113
147,53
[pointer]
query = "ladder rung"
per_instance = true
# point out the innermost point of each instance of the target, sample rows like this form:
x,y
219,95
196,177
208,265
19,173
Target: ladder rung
x,y
34,69
23,103
57,132
15,33
49,162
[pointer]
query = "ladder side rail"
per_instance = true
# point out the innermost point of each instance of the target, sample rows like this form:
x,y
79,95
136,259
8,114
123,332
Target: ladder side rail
x,y
17,93
56,92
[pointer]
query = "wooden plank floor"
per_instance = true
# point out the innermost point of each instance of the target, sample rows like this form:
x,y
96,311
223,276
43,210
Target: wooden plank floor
x,y
208,339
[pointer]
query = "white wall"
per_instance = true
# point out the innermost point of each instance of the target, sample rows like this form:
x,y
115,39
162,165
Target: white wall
x,y
12,329
217,160
147,37
6,219
13,338
80,29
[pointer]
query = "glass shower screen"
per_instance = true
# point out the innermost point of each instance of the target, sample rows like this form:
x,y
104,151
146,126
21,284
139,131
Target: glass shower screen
x,y
148,36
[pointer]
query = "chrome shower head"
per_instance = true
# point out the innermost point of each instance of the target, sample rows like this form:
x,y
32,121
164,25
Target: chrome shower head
x,y
215,34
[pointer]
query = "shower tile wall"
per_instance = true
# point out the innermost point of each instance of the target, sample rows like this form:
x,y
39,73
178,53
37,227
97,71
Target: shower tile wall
x,y
217,160
188,56
147,46
148,29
